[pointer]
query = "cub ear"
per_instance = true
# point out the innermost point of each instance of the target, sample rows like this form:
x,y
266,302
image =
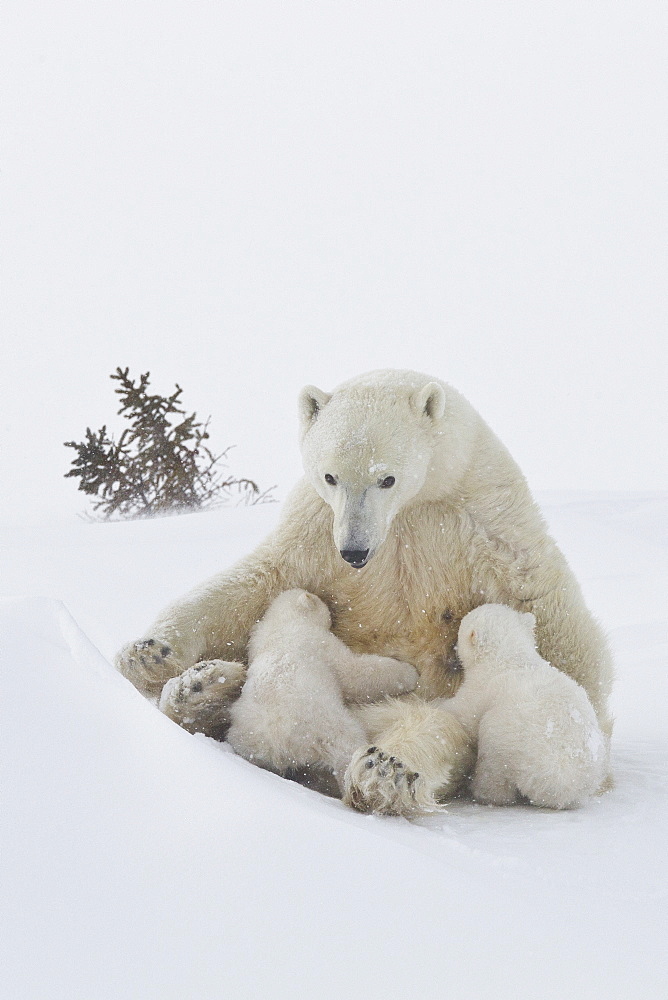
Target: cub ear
x,y
307,602
473,636
429,401
311,402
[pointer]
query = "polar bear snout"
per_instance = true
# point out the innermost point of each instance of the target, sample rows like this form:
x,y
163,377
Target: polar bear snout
x,y
356,557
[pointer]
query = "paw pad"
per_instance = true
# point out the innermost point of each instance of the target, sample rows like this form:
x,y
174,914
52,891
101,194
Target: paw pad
x,y
379,782
148,663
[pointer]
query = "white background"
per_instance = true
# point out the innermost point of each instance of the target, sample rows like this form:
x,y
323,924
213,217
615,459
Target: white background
x,y
248,197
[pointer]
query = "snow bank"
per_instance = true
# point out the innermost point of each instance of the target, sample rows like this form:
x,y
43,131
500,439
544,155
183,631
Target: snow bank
x,y
141,862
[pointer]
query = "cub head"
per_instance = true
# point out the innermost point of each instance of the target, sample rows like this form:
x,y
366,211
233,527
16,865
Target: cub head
x,y
367,449
492,628
298,604
288,609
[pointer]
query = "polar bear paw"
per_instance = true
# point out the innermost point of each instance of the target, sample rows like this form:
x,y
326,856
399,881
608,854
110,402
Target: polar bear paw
x,y
148,663
199,699
376,782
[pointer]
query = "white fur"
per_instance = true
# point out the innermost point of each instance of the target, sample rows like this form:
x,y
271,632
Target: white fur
x,y
458,527
200,698
522,712
291,713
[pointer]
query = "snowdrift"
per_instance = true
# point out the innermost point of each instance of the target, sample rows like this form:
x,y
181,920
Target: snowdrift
x,y
141,862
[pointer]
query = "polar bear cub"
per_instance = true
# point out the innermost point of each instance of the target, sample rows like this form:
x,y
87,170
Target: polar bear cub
x,y
292,710
537,732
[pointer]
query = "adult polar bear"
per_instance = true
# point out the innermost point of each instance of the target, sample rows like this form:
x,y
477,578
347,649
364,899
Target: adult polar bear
x,y
411,514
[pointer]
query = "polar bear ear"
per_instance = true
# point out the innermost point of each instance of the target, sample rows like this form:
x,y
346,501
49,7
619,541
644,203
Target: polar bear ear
x,y
314,609
429,401
308,601
311,402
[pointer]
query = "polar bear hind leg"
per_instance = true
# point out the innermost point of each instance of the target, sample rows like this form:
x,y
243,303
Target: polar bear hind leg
x,y
493,779
291,745
420,757
491,785
549,771
199,699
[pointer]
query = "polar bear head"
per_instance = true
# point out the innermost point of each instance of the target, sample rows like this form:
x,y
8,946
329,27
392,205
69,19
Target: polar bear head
x,y
368,451
498,632
293,610
295,605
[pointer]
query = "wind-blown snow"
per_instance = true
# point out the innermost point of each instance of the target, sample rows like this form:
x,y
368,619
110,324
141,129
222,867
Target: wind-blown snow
x,y
246,198
141,862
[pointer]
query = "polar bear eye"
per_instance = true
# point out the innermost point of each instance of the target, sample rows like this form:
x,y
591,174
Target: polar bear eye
x,y
386,483
330,479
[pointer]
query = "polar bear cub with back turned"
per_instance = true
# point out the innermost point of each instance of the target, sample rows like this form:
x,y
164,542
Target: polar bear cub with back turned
x,y
292,710
523,711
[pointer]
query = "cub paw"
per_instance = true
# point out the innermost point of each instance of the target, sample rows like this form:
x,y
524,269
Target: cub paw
x,y
148,663
378,783
199,699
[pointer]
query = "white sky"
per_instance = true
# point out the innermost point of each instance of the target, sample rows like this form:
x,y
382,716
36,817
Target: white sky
x,y
247,197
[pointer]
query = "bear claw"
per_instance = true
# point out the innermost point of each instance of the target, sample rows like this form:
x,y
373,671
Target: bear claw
x,y
147,664
379,783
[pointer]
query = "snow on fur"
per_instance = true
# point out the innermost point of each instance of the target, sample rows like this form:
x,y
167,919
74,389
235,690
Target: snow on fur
x,y
520,710
457,526
292,711
185,871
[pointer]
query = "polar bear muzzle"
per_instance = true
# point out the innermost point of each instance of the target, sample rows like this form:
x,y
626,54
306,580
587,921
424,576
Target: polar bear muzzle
x,y
356,557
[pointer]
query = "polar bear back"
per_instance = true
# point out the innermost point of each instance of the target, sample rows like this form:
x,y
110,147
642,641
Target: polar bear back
x,y
291,712
522,711
292,660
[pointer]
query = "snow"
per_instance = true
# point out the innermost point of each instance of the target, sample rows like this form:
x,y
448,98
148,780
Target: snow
x,y
248,198
245,199
140,861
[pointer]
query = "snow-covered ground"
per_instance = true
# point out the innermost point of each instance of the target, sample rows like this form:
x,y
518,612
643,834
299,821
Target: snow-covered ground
x,y
246,198
141,862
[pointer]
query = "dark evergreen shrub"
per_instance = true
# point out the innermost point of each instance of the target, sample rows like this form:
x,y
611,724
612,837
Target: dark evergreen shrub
x,y
159,465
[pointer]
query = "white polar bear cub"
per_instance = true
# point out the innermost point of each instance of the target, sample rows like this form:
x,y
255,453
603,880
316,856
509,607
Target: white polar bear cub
x,y
291,712
537,732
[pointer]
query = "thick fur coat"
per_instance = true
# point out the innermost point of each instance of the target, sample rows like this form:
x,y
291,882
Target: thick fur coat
x,y
519,709
411,514
292,712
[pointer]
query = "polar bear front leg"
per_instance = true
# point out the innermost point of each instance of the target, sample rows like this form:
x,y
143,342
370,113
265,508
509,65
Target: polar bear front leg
x,y
199,699
367,677
213,620
421,755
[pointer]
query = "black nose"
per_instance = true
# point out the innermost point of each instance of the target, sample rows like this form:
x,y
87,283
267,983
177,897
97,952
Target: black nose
x,y
356,557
